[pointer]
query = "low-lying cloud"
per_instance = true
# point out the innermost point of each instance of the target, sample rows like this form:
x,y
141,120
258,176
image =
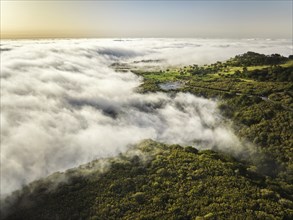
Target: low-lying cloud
x,y
62,105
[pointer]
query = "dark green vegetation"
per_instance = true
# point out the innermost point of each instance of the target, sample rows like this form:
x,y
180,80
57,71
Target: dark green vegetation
x,y
255,59
170,182
256,92
157,182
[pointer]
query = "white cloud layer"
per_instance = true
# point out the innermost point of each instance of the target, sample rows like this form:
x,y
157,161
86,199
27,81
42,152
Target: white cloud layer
x,y
62,105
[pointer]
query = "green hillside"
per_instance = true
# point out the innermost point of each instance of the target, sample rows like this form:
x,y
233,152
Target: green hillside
x,y
157,181
260,106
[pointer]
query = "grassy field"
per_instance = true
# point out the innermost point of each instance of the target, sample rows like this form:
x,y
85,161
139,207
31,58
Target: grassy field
x,y
225,81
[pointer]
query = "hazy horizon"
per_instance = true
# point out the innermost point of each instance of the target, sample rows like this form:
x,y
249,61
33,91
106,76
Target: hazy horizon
x,y
146,19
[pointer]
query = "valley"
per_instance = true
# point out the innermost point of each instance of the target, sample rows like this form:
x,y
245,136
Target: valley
x,y
153,180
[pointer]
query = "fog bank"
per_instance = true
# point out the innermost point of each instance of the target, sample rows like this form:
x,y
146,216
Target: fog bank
x,y
62,105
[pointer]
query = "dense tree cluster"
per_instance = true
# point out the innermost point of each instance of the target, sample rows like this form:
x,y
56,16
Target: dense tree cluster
x,y
273,73
174,183
256,59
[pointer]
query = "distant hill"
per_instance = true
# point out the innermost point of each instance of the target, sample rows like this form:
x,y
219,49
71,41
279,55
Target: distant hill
x,y
154,181
255,59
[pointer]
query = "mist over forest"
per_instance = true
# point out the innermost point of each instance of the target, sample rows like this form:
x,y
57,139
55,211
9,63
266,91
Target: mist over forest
x,y
64,105
178,126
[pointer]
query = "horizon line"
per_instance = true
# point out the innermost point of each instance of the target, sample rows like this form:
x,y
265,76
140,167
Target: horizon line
x,y
199,37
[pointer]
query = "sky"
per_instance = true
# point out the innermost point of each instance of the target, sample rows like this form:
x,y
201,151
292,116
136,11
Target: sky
x,y
215,19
